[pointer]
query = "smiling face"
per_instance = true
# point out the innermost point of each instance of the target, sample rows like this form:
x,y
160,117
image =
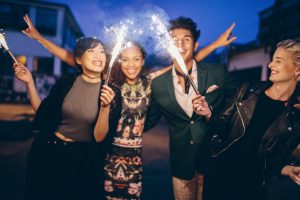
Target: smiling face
x,y
132,62
184,40
93,60
282,67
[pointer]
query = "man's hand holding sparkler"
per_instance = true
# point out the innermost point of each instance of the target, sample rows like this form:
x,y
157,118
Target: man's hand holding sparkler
x,y
201,107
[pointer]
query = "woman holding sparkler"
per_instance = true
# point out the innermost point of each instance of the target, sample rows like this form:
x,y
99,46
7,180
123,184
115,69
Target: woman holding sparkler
x,y
123,166
257,135
64,156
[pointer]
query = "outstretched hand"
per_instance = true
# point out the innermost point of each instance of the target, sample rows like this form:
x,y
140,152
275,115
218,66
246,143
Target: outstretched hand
x,y
107,95
31,31
226,38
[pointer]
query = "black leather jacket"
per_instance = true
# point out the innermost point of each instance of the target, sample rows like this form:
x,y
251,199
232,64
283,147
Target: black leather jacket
x,y
279,143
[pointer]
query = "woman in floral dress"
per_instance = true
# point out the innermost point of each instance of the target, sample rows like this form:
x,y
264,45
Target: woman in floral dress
x,y
123,166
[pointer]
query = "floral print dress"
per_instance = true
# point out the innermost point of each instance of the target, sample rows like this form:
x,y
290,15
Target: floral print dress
x,y
123,165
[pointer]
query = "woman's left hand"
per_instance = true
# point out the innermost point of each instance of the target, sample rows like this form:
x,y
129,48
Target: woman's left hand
x,y
293,172
107,95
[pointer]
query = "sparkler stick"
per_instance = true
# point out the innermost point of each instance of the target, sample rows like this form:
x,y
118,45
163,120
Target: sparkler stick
x,y
3,44
174,51
116,50
167,42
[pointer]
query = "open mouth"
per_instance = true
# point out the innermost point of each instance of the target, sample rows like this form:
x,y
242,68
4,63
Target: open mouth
x,y
181,50
97,63
131,71
273,72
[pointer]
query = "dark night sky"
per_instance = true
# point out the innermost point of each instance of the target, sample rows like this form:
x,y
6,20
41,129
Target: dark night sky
x,y
212,16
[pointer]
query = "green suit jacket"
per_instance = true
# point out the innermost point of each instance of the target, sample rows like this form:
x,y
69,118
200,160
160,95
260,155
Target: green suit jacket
x,y
187,134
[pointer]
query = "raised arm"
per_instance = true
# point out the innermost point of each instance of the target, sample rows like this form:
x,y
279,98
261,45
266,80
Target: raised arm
x,y
59,52
159,72
24,75
223,40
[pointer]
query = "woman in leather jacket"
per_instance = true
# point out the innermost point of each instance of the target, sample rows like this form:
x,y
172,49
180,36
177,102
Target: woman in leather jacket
x,y
257,135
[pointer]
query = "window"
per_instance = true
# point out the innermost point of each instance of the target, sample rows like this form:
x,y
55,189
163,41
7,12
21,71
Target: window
x,y
71,38
46,20
11,16
45,65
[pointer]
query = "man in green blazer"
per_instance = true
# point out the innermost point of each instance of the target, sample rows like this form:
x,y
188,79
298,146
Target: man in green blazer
x,y
172,98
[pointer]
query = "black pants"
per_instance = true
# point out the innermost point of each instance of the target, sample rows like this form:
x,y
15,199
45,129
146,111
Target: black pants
x,y
59,170
224,181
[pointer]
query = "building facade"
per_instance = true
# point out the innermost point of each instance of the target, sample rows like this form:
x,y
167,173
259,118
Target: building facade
x,y
278,22
54,21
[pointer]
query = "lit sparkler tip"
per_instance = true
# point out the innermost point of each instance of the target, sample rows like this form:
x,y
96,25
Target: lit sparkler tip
x,y
154,18
106,29
128,44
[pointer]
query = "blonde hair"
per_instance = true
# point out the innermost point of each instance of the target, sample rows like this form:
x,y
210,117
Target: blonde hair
x,y
293,47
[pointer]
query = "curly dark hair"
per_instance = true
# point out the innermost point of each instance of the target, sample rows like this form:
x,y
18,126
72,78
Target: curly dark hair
x,y
117,76
185,23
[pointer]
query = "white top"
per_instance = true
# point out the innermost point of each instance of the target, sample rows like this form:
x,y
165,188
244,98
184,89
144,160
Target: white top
x,y
183,99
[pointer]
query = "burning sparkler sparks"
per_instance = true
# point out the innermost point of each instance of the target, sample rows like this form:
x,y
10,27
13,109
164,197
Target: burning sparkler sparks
x,y
133,28
121,31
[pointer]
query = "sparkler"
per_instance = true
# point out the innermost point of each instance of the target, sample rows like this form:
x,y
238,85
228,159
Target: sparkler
x,y
166,41
121,30
120,33
3,44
